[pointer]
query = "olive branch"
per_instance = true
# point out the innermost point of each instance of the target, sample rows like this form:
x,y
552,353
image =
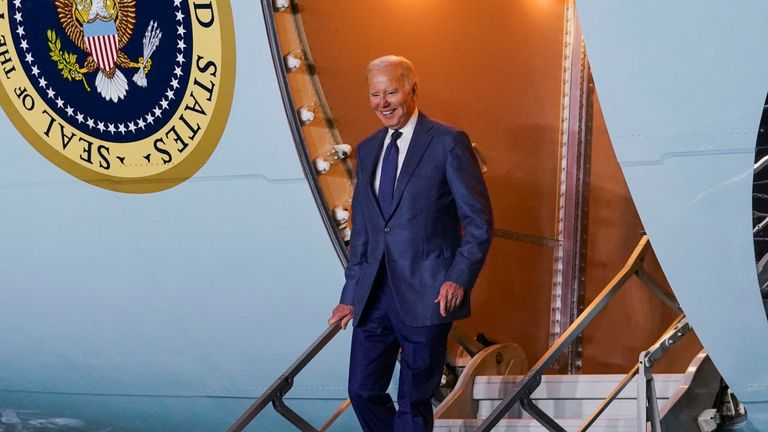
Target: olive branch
x,y
66,61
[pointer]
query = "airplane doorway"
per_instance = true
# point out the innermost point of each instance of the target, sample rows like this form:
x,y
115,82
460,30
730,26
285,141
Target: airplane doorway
x,y
500,71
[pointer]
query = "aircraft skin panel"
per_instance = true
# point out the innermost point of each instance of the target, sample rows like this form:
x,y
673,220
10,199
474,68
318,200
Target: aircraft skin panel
x,y
680,77
682,87
201,284
196,298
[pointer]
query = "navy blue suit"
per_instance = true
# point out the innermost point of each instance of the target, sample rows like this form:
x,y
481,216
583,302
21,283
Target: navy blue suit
x,y
439,229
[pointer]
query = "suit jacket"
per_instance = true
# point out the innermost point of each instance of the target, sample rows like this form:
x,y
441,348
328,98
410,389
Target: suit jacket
x,y
439,229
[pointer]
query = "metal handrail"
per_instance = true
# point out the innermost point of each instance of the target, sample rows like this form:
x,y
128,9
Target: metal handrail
x,y
611,397
673,333
523,390
336,414
647,402
277,391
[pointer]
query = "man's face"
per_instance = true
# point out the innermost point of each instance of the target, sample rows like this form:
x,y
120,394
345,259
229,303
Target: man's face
x,y
391,100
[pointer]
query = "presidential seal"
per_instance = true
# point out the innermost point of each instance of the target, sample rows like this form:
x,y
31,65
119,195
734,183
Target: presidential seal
x,y
129,96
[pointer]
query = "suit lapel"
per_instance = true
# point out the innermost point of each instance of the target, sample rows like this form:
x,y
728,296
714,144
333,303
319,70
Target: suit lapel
x,y
419,143
371,160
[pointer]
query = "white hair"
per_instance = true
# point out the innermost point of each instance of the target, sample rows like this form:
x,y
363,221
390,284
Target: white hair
x,y
407,69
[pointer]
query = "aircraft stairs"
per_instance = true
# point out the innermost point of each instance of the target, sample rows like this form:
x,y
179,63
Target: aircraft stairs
x,y
569,399
495,390
596,402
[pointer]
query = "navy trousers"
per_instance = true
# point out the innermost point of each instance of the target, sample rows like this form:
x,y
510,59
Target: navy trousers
x,y
376,341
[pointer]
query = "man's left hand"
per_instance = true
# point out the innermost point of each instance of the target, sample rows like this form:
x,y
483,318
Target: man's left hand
x,y
451,296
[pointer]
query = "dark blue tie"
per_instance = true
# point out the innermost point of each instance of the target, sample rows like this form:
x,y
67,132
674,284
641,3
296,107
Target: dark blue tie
x,y
389,174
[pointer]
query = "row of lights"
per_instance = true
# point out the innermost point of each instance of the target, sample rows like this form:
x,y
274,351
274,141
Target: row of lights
x,y
293,61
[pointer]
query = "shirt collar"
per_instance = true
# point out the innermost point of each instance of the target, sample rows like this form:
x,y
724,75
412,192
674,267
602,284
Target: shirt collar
x,y
410,126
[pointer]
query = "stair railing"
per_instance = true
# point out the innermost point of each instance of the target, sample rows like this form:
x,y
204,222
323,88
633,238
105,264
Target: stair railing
x,y
523,390
277,391
648,406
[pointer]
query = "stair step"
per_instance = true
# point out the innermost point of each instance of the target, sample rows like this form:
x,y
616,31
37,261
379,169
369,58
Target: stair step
x,y
572,386
567,408
604,424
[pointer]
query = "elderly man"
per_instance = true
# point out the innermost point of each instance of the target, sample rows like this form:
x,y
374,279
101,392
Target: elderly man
x,y
421,230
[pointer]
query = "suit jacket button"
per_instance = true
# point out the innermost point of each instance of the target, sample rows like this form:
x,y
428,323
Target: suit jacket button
x,y
387,229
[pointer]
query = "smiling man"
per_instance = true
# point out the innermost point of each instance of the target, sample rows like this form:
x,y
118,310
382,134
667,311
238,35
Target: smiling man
x,y
421,230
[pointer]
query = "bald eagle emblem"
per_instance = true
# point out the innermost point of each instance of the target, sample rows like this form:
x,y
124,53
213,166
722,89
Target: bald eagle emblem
x,y
102,28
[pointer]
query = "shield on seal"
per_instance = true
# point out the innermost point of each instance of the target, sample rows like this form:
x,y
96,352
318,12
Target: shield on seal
x,y
101,39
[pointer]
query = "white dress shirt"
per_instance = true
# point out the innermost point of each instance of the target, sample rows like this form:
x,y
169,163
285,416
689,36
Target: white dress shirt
x,y
402,145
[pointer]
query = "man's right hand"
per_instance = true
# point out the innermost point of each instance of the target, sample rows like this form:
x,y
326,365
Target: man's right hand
x,y
341,313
